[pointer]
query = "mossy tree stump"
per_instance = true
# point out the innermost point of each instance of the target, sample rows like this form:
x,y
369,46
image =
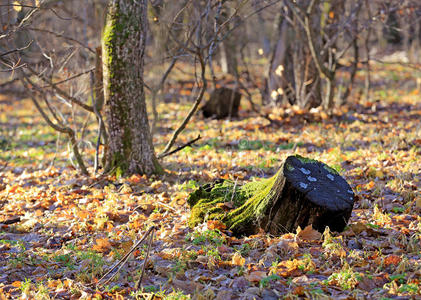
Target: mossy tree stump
x,y
223,102
302,192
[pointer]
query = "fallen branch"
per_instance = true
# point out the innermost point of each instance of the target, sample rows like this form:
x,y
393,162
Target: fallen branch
x,y
11,221
164,154
138,284
125,258
194,107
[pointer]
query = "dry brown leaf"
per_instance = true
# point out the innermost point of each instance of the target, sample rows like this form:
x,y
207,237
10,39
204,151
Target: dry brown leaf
x,y
256,276
418,202
287,246
309,234
216,224
358,227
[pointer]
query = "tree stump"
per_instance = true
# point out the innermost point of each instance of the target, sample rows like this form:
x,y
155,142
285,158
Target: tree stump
x,y
302,192
222,103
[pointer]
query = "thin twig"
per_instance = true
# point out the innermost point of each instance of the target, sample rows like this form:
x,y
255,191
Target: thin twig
x,y
63,37
60,91
68,79
164,154
194,107
122,261
59,126
139,282
16,50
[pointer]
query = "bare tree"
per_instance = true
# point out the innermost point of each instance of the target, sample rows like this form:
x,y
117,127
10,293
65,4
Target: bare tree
x,y
305,61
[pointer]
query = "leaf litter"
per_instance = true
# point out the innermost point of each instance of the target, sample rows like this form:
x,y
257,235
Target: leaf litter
x,y
61,232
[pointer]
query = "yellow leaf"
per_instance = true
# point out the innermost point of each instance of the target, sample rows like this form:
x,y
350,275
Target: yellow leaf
x,y
370,185
238,260
17,6
418,202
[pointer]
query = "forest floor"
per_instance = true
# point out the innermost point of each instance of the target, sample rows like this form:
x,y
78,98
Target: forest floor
x,y
61,232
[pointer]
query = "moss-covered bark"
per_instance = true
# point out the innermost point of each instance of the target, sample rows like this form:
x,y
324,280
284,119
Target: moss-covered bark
x,y
130,145
302,192
250,203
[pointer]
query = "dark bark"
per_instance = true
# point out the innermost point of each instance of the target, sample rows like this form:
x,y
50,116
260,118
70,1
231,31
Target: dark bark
x,y
130,144
303,192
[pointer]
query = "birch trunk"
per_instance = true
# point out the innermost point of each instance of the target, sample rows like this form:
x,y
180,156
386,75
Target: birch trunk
x,y
130,144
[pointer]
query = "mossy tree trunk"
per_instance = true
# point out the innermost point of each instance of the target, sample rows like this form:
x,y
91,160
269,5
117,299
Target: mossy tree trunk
x,y
302,192
130,144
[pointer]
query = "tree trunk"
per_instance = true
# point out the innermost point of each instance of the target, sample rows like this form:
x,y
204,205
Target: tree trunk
x,y
229,47
302,192
293,76
130,144
223,102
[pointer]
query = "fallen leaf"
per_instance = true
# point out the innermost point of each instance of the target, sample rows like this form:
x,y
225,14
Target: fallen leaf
x,y
392,260
256,276
216,224
237,259
299,291
102,245
309,234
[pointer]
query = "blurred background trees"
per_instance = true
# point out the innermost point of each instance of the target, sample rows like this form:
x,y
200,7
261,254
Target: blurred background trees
x,y
275,53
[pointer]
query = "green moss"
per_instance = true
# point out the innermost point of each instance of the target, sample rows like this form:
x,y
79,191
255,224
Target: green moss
x,y
109,36
289,167
331,170
305,160
119,164
250,203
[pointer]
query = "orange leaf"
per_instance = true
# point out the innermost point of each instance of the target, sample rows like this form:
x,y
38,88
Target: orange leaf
x,y
216,224
83,214
102,245
370,185
299,291
135,178
226,176
17,284
392,260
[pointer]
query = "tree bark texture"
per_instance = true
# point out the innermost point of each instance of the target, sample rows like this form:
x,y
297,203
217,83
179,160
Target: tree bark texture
x,y
130,144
